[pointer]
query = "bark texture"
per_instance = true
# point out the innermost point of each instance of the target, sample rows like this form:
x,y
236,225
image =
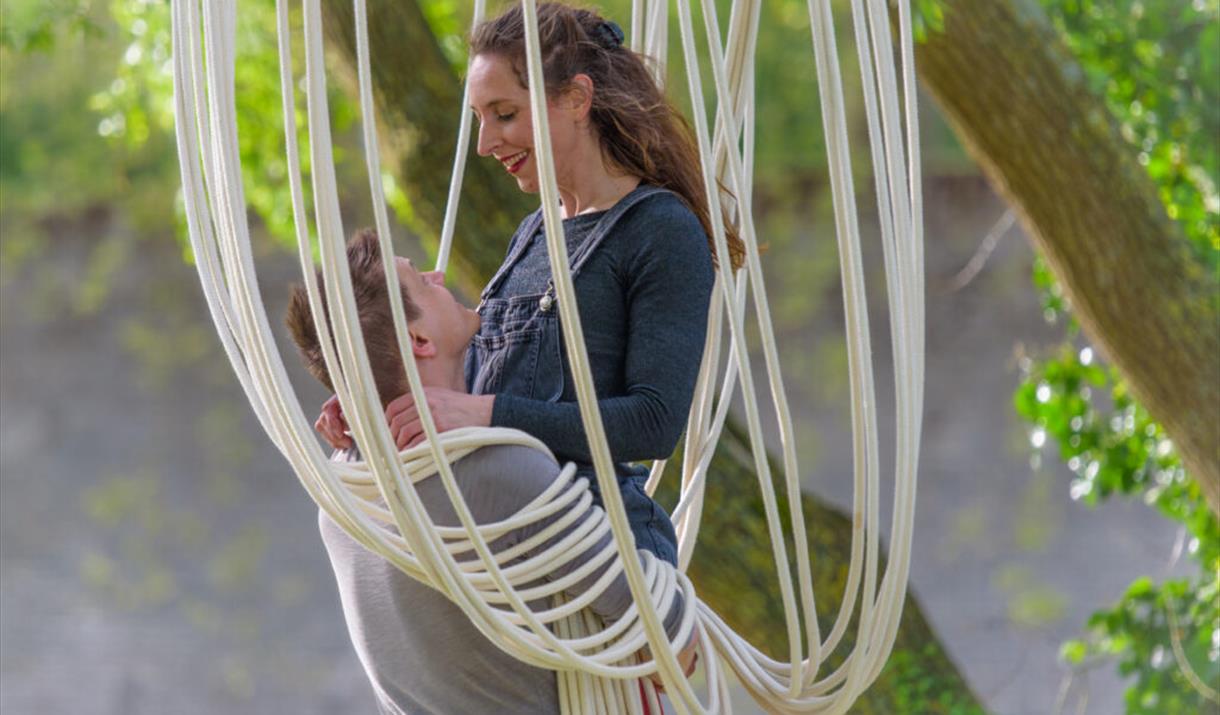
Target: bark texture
x,y
417,97
419,101
1020,103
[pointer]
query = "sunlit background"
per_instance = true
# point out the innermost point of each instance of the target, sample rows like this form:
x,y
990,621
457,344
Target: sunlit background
x,y
159,556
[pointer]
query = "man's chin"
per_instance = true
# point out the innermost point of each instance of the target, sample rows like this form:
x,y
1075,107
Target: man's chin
x,y
476,322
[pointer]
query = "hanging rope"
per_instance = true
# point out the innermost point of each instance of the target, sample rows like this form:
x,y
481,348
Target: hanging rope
x,y
597,663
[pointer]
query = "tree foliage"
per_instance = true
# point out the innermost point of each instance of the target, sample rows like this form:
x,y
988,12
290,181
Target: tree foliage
x,y
1158,66
139,102
1157,63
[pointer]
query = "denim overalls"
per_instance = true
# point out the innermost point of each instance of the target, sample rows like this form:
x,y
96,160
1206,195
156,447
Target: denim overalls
x,y
519,351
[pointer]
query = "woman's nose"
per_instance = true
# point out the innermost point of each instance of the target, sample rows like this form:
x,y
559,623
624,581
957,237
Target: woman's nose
x,y
487,142
434,277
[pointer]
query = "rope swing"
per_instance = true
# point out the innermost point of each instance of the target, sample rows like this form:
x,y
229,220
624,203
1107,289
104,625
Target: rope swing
x,y
598,664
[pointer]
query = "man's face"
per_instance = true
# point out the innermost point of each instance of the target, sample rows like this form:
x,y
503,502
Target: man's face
x,y
442,318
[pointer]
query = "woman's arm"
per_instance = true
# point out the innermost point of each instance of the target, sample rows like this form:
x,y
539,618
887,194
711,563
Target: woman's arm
x,y
667,276
665,272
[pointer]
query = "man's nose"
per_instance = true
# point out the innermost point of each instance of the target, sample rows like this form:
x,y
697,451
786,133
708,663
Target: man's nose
x,y
434,277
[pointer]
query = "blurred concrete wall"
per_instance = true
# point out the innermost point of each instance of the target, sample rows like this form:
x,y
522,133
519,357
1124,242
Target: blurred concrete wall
x,y
158,556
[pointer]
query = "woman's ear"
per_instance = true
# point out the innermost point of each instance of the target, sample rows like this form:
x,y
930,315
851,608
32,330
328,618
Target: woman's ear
x,y
422,346
579,97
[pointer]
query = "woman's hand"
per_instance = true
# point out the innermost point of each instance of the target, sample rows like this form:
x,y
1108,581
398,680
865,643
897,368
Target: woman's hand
x,y
332,426
450,409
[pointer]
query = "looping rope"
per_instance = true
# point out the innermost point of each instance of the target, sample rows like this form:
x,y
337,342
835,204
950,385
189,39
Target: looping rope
x,y
597,663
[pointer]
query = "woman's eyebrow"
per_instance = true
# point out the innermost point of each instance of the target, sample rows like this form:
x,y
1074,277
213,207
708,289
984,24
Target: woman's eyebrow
x,y
491,105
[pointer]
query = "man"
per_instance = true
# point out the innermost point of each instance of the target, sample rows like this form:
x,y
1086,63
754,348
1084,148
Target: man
x,y
419,650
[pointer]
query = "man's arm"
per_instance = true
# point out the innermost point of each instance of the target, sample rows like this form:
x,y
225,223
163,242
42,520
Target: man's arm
x,y
500,480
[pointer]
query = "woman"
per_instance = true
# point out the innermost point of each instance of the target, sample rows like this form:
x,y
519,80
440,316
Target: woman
x,y
637,230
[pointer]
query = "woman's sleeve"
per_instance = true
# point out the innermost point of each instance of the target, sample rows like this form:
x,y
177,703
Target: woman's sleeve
x,y
667,276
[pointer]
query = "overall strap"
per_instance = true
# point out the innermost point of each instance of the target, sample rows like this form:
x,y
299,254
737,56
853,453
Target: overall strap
x,y
607,223
529,229
524,237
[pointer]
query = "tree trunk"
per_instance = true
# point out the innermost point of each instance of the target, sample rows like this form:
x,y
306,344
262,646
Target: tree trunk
x,y
417,97
418,101
734,572
1019,102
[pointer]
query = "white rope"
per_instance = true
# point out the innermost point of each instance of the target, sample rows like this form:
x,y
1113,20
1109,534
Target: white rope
x,y
459,159
597,663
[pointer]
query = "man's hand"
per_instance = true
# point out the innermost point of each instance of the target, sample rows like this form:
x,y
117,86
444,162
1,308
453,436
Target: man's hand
x,y
688,657
450,409
332,426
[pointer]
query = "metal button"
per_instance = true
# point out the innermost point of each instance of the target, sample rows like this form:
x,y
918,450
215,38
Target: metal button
x,y
547,302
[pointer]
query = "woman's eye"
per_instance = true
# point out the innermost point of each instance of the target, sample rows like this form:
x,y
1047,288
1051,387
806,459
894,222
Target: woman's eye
x,y
506,117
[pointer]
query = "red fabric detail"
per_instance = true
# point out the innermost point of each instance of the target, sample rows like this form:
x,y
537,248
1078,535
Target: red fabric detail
x,y
644,698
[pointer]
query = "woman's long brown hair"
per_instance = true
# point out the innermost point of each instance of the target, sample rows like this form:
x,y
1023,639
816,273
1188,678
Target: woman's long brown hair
x,y
640,131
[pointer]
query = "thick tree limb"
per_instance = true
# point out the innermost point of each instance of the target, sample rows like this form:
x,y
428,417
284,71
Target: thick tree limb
x,y
1019,101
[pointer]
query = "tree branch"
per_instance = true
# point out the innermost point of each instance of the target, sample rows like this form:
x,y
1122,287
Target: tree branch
x,y
1048,144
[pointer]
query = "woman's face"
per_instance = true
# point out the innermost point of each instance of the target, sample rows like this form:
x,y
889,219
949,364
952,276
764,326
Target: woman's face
x,y
506,128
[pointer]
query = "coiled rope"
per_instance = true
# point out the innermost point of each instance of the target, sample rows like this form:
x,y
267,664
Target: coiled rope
x,y
597,663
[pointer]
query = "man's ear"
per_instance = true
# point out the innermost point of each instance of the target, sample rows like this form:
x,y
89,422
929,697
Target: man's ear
x,y
422,346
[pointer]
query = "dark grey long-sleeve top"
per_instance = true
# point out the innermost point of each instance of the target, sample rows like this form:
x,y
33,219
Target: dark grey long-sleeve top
x,y
643,297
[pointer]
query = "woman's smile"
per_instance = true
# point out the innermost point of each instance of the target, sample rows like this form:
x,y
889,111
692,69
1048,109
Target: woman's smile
x,y
514,162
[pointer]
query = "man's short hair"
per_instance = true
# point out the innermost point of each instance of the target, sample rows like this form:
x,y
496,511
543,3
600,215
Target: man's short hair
x,y
376,320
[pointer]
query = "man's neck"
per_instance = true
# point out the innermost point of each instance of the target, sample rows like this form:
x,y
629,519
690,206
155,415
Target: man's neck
x,y
447,373
456,376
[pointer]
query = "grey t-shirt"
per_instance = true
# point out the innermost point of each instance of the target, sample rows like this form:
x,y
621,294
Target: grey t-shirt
x,y
421,653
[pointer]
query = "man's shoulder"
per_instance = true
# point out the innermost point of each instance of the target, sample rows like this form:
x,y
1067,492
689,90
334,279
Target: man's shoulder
x,y
497,480
487,460
508,462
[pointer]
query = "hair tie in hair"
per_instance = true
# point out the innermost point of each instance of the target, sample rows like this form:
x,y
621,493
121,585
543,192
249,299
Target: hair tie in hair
x,y
608,34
